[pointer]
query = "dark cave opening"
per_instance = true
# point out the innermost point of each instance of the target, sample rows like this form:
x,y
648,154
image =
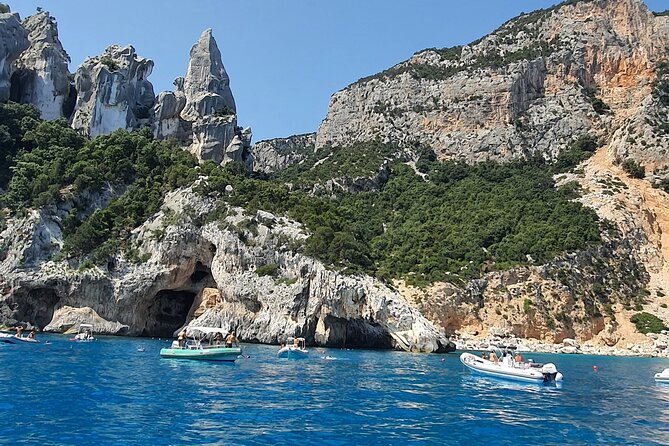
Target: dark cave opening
x,y
167,312
37,307
356,333
201,272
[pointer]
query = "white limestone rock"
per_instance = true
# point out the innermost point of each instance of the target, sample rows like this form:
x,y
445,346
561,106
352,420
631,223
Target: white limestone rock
x,y
42,76
113,92
275,154
13,41
207,85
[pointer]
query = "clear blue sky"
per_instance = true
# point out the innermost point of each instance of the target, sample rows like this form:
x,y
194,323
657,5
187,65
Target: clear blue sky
x,y
285,58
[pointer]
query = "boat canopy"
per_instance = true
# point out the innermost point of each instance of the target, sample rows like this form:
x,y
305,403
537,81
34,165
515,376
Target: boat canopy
x,y
204,330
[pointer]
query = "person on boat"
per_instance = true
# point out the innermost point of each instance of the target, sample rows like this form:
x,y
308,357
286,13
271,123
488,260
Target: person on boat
x,y
484,356
19,330
296,343
518,358
181,338
218,338
231,340
493,357
31,335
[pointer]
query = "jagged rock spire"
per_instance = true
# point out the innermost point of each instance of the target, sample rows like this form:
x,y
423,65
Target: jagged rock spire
x,y
207,85
42,76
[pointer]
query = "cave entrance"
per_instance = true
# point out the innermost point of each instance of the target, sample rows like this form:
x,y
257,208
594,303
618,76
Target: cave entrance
x,y
37,307
168,312
356,333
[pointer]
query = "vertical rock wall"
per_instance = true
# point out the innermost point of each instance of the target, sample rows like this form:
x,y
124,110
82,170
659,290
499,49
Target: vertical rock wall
x,y
42,76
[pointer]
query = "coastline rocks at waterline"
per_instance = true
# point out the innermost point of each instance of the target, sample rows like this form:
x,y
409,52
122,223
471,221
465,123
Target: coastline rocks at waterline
x,y
113,92
294,296
656,346
41,77
13,41
67,319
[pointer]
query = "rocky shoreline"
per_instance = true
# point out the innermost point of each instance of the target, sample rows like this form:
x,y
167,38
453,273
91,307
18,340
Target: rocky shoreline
x,y
656,347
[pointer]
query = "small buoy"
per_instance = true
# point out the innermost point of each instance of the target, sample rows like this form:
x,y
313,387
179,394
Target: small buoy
x,y
442,359
594,368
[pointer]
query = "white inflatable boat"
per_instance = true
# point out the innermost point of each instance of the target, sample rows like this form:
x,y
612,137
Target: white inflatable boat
x,y
507,368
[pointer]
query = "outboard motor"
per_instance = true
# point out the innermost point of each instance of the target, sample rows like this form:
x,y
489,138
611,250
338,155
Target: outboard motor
x,y
551,373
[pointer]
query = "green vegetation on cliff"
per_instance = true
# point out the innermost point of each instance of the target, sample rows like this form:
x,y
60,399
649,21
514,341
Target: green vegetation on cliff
x,y
450,220
648,323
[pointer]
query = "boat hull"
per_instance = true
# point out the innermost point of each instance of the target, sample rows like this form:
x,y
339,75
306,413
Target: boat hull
x,y
207,354
293,353
488,368
12,339
662,377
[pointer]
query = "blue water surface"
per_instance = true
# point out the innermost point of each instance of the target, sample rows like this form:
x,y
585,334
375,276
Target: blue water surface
x,y
110,392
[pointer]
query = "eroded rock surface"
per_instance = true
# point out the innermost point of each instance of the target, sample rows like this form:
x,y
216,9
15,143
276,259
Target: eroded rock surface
x,y
42,76
275,154
113,92
13,41
298,297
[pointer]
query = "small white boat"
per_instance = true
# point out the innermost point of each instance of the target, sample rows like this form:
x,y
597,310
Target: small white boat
x,y
507,368
15,339
662,377
85,334
295,348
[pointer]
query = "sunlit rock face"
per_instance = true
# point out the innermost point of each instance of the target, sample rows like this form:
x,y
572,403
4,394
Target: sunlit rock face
x,y
41,77
206,84
113,92
526,88
201,111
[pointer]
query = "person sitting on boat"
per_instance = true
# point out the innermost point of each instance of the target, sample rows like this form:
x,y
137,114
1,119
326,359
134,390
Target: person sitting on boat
x,y
181,338
296,343
31,335
493,357
518,358
231,340
484,356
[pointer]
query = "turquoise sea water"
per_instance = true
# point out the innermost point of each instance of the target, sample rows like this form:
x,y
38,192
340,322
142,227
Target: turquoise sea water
x,y
110,393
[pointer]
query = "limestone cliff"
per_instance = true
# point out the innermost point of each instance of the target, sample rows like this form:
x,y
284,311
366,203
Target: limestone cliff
x,y
13,41
531,86
42,76
276,154
113,92
261,287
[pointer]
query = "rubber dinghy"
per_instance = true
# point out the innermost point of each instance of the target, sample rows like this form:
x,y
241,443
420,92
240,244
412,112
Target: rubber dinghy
x,y
662,377
509,369
14,339
295,348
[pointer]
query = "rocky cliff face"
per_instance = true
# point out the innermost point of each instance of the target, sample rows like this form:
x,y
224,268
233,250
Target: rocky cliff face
x,y
113,92
42,76
531,86
276,154
541,80
13,41
242,276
